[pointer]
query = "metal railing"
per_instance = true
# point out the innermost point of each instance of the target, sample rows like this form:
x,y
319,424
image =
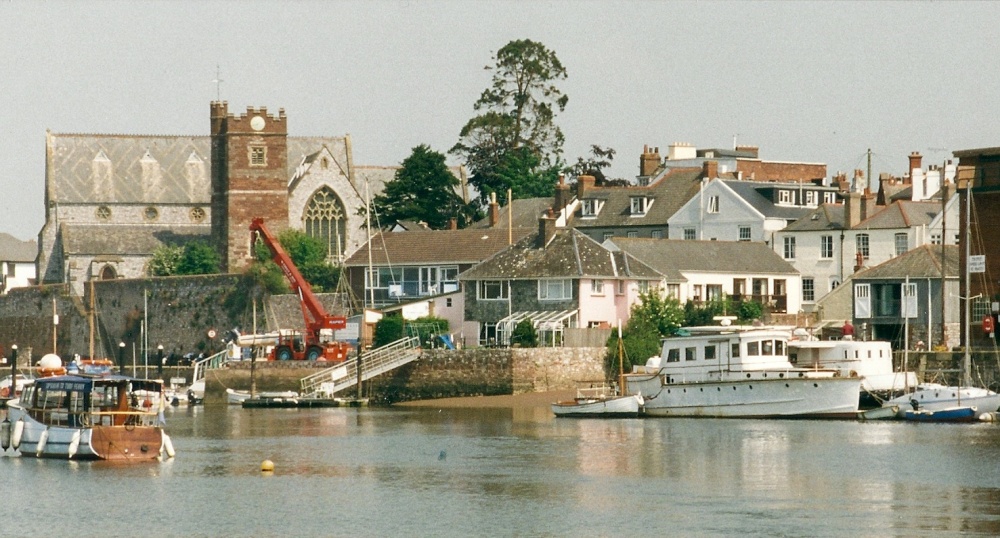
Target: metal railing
x,y
208,363
328,382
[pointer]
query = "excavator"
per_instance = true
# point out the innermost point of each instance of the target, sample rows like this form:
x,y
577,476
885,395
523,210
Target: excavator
x,y
317,342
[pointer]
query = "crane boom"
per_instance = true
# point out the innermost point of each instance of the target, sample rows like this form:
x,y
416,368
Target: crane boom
x,y
311,307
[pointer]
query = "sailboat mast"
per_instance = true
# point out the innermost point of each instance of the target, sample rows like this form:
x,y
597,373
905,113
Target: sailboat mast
x,y
967,360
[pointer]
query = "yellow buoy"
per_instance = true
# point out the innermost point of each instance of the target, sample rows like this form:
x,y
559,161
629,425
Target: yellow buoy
x,y
267,466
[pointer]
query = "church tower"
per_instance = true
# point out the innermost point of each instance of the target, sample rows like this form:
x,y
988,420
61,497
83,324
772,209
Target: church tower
x,y
249,178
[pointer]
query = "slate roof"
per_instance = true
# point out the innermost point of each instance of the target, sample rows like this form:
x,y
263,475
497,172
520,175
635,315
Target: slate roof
x,y
922,262
435,246
131,240
525,213
147,168
753,192
901,214
13,249
669,194
671,256
824,217
569,254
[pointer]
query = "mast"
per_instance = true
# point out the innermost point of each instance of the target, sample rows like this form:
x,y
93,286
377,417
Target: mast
x,y
967,360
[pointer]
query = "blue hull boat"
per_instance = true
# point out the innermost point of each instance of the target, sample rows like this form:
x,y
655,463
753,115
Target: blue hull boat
x,y
951,414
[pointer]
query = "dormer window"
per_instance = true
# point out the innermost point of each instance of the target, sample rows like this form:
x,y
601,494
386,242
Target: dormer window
x,y
829,197
811,198
640,205
591,207
784,197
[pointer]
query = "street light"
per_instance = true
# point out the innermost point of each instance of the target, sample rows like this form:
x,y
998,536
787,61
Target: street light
x,y
121,358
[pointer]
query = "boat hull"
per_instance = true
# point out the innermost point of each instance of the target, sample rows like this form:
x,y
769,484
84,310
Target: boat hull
x,y
620,407
832,397
939,397
952,414
114,443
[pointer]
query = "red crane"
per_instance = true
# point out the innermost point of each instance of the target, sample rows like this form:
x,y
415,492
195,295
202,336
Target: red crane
x,y
315,344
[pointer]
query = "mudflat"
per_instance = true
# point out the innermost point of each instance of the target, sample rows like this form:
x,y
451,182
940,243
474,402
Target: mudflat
x,y
512,401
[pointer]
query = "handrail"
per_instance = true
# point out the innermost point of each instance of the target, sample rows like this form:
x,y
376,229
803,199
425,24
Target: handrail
x,y
374,362
208,363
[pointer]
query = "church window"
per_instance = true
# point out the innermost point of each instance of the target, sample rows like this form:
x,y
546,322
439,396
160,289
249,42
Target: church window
x,y
151,213
197,214
108,273
325,219
258,156
103,213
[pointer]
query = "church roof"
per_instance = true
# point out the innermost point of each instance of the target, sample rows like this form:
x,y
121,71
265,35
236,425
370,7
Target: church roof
x,y
127,240
435,246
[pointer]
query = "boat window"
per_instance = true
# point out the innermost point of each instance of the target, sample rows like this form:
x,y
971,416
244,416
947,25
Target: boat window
x,y
736,350
779,347
690,353
709,353
753,348
673,355
767,347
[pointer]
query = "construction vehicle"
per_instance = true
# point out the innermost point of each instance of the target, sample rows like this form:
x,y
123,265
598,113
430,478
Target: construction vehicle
x,y
317,342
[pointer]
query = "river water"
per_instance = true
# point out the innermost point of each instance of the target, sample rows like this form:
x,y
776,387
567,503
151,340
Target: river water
x,y
518,472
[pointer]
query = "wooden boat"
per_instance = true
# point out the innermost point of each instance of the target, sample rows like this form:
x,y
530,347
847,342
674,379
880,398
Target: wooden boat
x,y
949,414
730,371
599,402
879,413
108,417
869,359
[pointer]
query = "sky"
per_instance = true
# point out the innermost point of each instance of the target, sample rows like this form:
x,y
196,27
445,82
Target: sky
x,y
814,81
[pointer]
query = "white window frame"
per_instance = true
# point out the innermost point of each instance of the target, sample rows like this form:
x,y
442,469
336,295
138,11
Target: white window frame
x,y
811,198
555,289
784,196
862,243
829,197
745,237
826,247
901,246
789,247
591,207
713,205
257,156
485,289
808,289
596,287
639,205
689,234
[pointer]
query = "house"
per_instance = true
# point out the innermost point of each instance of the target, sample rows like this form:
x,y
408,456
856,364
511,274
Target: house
x,y
17,262
913,297
560,279
742,162
835,240
712,270
731,210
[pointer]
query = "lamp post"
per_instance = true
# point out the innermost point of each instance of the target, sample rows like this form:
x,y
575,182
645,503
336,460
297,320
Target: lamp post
x,y
121,358
159,360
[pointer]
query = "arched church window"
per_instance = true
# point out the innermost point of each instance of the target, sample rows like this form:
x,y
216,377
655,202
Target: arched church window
x,y
324,219
108,273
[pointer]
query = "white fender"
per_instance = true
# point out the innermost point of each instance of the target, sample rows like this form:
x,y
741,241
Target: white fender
x,y
167,445
42,439
15,438
74,445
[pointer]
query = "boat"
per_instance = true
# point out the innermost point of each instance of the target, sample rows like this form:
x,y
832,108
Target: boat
x,y
109,417
937,397
739,371
879,413
600,401
869,359
237,397
20,381
967,413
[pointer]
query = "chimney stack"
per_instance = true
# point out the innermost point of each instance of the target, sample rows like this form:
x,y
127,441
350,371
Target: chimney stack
x,y
649,161
561,195
916,160
583,184
852,209
546,228
494,210
752,150
711,169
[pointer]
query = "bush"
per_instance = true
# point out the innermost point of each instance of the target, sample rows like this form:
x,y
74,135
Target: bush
x,y
387,330
524,334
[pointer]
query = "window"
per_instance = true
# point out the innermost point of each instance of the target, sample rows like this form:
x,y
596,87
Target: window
x,y
735,350
555,290
811,197
591,208
493,290
826,247
862,245
632,234
808,289
608,235
696,292
621,287
902,243
744,233
326,220
784,197
935,239
674,290
710,353
639,205
674,355
689,234
597,287
690,353
714,292
789,248
713,204
643,286
447,302
829,197
258,156
656,234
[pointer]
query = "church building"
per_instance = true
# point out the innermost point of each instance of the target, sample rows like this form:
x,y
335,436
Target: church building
x,y
112,200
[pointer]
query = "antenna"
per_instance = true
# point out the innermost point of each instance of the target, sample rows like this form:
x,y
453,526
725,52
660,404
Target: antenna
x,y
218,83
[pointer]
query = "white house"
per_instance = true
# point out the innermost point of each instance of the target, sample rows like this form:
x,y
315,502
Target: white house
x,y
17,262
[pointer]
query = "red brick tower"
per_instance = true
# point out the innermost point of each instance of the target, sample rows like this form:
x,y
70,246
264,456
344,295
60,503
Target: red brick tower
x,y
249,178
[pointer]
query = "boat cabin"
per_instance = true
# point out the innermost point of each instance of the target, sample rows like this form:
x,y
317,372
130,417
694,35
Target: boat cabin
x,y
81,401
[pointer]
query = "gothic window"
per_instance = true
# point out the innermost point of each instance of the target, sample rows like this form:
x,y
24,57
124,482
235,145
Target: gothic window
x,y
103,213
197,214
324,219
108,273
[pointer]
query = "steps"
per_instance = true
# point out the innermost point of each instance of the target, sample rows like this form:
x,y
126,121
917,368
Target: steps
x,y
326,383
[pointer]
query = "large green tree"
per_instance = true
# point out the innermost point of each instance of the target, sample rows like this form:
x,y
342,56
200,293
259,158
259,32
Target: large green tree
x,y
309,256
600,158
514,142
423,189
653,317
194,258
